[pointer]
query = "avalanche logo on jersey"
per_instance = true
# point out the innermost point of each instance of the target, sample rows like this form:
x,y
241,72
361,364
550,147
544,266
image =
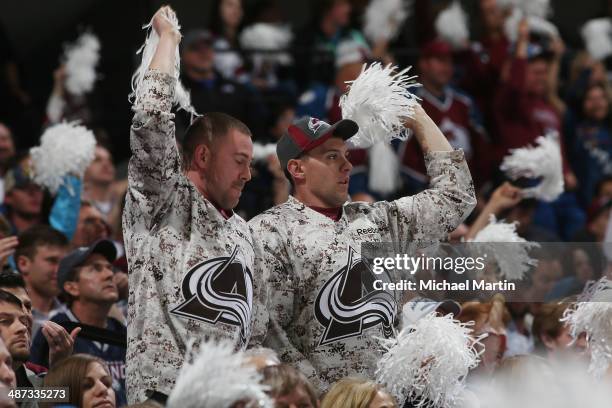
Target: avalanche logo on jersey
x,y
348,303
219,290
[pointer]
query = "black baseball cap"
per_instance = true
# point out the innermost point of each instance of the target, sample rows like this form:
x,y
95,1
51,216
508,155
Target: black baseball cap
x,y
76,258
307,133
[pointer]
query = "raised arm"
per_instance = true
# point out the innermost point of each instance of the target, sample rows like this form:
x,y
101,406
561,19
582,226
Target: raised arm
x,y
430,215
154,168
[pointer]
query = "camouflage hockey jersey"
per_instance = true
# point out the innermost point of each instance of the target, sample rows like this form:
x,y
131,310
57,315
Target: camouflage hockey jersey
x,y
324,310
190,269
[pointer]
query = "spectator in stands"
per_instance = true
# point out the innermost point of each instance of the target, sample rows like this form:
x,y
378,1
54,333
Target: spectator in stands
x,y
7,375
62,342
453,112
87,377
37,258
289,387
552,336
86,279
357,392
99,185
590,143
315,46
22,197
91,226
227,18
210,91
14,331
7,154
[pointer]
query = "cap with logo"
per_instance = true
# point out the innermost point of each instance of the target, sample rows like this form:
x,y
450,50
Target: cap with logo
x,y
307,133
419,307
76,258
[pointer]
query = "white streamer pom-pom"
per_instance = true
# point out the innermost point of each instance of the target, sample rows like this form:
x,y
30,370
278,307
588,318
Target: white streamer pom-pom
x,y
181,96
262,152
593,315
383,19
65,148
543,161
452,26
267,37
533,8
597,35
379,101
218,378
536,24
428,361
513,260
80,60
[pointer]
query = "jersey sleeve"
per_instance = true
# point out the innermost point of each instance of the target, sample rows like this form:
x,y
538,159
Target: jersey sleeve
x,y
154,168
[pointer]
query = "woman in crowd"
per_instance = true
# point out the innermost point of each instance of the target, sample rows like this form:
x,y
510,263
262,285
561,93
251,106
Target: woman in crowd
x,y
357,393
88,380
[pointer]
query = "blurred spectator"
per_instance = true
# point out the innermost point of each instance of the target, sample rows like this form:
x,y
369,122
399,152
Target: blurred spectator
x,y
518,336
289,387
210,91
453,112
91,226
63,105
7,375
227,18
357,393
99,185
7,154
552,336
37,258
86,279
14,332
545,276
316,44
268,186
88,379
598,216
581,263
590,143
22,197
489,318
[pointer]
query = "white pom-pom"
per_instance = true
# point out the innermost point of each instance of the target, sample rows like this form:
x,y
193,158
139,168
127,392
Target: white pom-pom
x,y
597,35
452,26
428,361
383,19
262,152
267,37
534,8
218,378
65,148
513,260
80,60
379,101
593,315
181,96
383,172
536,24
543,161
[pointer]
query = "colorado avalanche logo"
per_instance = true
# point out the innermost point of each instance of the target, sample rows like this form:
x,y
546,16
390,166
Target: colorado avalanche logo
x,y
315,124
219,290
348,303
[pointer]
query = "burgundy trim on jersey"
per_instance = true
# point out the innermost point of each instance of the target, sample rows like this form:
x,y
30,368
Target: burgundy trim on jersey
x,y
333,213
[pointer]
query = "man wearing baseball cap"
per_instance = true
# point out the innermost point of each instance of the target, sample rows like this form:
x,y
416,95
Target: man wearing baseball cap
x,y
85,277
323,306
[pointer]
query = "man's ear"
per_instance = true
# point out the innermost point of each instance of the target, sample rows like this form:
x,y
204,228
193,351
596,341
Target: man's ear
x,y
72,288
23,264
548,342
201,156
296,169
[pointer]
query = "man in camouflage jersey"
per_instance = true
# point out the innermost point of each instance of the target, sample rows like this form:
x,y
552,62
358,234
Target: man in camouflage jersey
x,y
190,257
324,309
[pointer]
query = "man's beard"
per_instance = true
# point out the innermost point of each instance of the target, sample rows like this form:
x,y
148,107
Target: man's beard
x,y
26,215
